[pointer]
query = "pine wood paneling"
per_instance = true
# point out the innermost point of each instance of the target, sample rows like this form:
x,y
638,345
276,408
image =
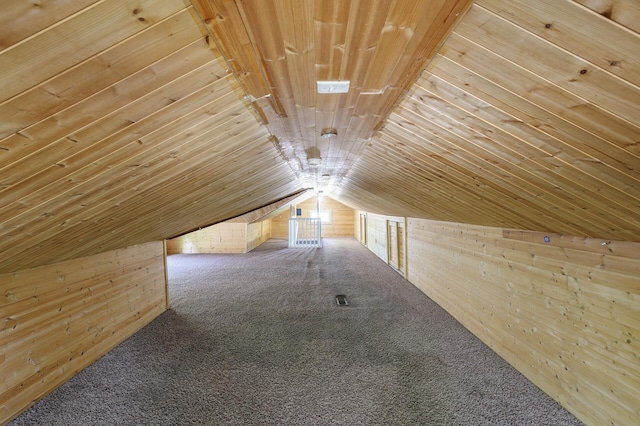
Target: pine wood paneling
x,y
74,40
258,233
60,318
225,237
20,20
128,135
280,225
624,12
145,119
564,313
342,223
280,48
524,119
377,240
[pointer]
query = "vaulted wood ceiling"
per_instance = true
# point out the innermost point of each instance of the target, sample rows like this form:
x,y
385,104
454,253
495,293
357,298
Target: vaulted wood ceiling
x,y
123,122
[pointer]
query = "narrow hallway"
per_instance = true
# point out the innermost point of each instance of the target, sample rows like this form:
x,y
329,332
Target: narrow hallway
x,y
258,339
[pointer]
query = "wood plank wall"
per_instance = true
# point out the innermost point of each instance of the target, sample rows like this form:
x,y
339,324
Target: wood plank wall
x,y
225,237
565,313
258,233
58,319
342,219
280,225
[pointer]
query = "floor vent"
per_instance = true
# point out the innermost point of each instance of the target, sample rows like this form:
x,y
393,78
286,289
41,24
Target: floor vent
x,y
341,300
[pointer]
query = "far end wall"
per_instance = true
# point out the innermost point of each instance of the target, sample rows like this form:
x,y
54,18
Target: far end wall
x,y
342,218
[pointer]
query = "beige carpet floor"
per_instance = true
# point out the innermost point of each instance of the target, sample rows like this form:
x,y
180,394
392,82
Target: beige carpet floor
x,y
258,339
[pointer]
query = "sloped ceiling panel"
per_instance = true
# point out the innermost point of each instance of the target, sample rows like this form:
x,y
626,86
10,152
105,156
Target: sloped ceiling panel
x,y
280,49
528,118
123,122
119,125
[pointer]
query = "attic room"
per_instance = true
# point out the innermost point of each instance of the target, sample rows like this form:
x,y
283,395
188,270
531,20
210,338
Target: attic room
x,y
486,151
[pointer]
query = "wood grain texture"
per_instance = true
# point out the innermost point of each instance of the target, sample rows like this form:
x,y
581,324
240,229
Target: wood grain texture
x,y
518,122
222,237
342,222
563,312
92,145
279,49
58,319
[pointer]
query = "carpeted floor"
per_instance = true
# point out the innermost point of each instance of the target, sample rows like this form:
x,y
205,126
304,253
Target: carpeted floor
x,y
258,339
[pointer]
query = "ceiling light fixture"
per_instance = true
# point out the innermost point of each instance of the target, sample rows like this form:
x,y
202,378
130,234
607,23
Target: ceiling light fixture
x,y
314,161
328,134
333,86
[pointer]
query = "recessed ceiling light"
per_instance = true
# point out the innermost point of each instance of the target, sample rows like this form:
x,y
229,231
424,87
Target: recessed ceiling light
x,y
314,161
333,86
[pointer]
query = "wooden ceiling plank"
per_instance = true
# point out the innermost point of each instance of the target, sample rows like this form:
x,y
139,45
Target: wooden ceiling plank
x,y
515,163
547,104
617,185
453,196
98,72
623,12
444,183
148,145
20,20
590,156
551,63
198,191
296,21
426,37
56,176
402,21
521,199
43,135
225,23
330,30
548,173
125,182
456,164
59,151
567,25
72,41
486,150
364,26
439,199
115,196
